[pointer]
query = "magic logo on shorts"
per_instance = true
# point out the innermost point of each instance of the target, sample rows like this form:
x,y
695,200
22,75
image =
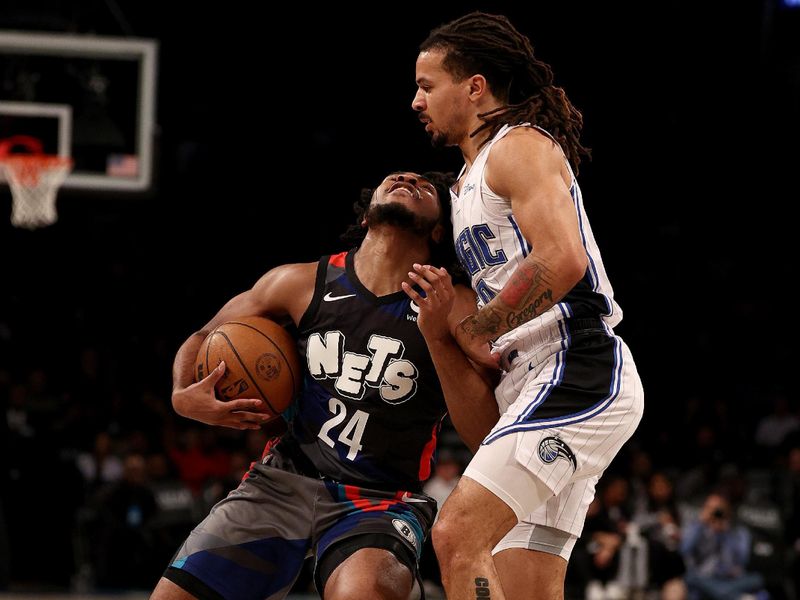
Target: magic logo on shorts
x,y
551,448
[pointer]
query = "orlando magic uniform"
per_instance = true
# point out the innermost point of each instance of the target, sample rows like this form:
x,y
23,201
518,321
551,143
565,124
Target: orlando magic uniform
x,y
569,396
348,473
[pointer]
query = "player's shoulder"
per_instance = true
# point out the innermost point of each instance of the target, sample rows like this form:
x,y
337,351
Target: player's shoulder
x,y
296,275
296,269
524,152
526,140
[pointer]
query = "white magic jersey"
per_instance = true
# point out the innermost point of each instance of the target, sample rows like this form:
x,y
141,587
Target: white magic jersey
x,y
490,247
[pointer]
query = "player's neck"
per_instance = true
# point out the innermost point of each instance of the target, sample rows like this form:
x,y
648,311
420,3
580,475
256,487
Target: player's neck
x,y
471,146
383,261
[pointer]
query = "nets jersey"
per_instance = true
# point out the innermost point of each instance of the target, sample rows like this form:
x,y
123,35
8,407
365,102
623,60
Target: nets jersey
x,y
371,403
490,247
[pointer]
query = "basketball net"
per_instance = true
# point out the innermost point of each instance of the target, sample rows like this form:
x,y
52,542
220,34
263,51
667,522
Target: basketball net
x,y
34,179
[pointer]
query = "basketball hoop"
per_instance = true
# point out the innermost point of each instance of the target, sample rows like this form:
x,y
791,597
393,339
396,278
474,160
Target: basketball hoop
x,y
34,179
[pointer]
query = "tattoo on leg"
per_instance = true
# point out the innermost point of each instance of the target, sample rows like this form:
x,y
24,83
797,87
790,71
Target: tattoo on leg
x,y
481,588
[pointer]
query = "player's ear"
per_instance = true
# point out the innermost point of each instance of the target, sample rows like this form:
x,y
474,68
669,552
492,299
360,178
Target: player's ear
x,y
478,87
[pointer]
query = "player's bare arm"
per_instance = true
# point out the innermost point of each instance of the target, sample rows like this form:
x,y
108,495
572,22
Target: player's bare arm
x,y
467,389
283,292
527,167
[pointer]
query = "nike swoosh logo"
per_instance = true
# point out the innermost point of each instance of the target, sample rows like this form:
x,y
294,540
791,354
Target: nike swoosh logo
x,y
329,298
406,498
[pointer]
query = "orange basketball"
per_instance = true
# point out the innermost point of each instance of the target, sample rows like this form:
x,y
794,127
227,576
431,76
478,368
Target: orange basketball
x,y
261,362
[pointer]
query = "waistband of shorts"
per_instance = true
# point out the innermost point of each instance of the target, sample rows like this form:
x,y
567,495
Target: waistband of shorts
x,y
287,455
555,331
575,325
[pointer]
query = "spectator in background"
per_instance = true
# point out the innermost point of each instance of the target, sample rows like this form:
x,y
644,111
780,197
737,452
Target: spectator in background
x,y
773,429
124,549
659,523
716,552
445,477
198,459
100,466
595,561
17,414
788,486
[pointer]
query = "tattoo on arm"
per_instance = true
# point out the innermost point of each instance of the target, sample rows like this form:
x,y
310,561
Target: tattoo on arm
x,y
531,279
529,292
481,588
485,323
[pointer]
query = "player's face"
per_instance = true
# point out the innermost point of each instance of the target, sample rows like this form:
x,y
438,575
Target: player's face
x,y
412,191
441,102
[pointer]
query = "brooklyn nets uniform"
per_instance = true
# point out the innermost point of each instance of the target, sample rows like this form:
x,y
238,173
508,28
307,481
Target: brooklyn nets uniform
x,y
569,396
348,473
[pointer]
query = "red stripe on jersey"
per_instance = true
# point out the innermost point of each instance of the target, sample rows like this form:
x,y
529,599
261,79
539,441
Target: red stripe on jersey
x,y
337,260
427,453
352,492
380,506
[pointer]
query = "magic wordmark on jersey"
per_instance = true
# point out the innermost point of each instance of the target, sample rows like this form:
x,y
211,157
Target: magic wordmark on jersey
x,y
382,367
473,247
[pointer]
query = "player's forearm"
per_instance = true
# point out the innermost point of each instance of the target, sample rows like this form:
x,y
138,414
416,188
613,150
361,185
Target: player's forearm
x,y
183,367
534,287
469,397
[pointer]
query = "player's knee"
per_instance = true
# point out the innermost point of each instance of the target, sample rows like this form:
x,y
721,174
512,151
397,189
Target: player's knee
x,y
378,587
385,579
447,538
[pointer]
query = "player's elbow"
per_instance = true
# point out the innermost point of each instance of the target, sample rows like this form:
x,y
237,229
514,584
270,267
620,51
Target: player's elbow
x,y
574,263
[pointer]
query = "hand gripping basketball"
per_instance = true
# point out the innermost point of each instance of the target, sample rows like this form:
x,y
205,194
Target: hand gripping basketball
x,y
261,363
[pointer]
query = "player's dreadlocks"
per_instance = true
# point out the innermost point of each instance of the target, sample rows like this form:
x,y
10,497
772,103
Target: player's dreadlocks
x,y
442,253
489,45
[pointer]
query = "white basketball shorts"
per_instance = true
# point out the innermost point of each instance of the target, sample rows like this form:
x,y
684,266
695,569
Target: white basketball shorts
x,y
567,407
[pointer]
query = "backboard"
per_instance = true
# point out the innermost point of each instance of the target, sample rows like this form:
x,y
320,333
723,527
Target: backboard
x,y
88,97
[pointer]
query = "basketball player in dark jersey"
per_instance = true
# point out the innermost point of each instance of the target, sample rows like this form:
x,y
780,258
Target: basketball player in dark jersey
x,y
344,483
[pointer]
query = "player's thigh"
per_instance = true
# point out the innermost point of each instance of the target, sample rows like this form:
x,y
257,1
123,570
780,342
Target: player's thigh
x,y
531,574
374,573
253,543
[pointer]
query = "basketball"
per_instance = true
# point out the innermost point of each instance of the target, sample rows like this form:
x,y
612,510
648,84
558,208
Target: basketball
x,y
261,362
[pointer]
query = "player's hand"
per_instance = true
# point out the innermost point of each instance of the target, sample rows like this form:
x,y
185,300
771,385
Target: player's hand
x,y
437,303
478,350
199,402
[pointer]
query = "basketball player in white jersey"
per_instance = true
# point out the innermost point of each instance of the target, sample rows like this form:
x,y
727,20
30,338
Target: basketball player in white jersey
x,y
570,395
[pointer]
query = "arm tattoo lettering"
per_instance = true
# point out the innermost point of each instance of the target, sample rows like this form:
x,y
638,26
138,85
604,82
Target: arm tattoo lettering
x,y
515,319
481,588
530,291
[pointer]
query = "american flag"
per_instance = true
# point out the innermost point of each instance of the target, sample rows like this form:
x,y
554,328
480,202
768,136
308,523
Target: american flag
x,y
122,165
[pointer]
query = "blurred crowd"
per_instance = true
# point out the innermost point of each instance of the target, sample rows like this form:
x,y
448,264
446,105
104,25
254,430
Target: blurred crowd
x,y
104,481
106,484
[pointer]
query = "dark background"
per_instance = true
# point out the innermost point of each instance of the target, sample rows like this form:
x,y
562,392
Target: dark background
x,y
691,112
271,119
